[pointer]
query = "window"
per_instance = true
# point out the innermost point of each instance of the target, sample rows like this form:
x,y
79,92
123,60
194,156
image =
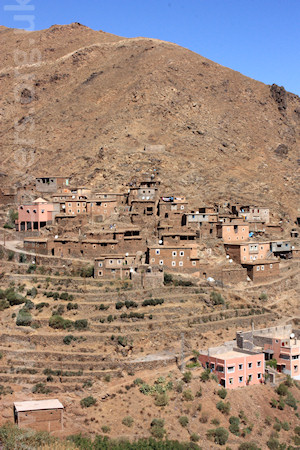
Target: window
x,y
257,268
182,207
271,266
296,368
230,369
240,366
181,263
78,204
240,379
78,210
100,273
230,380
259,376
161,262
119,261
193,263
295,357
111,261
212,366
220,369
69,204
100,264
153,260
173,263
157,252
250,365
258,363
181,253
244,258
174,253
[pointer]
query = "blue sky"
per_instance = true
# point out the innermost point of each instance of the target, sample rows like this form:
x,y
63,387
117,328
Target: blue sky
x,y
259,38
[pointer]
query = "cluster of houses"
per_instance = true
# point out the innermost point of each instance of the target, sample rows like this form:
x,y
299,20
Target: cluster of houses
x,y
141,230
243,362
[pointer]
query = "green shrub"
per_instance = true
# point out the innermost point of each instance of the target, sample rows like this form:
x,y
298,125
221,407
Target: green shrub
x,y
285,426
3,304
24,318
128,421
107,378
157,428
277,426
13,297
105,429
234,426
274,444
31,268
289,382
187,377
219,435
224,407
58,322
281,404
161,399
291,401
273,402
184,421
282,389
86,272
71,306
138,381
40,388
88,401
272,363
168,278
68,339
81,324
153,302
205,375
119,305
10,256
199,392
187,395
222,393
263,296
41,305
217,298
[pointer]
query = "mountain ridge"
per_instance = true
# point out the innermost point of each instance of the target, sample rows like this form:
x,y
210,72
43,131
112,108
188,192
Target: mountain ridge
x,y
96,105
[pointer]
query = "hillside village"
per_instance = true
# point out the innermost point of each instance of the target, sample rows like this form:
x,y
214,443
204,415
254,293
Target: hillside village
x,y
143,231
183,274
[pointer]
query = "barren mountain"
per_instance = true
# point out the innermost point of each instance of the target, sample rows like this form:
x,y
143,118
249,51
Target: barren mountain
x,y
86,103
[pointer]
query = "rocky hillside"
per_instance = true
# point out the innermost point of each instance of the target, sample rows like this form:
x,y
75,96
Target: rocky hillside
x,y
92,101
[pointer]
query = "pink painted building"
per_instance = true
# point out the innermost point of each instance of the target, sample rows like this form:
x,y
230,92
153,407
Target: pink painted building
x,y
286,351
233,232
35,216
234,367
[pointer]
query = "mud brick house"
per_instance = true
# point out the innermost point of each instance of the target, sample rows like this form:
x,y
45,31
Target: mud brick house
x,y
100,210
234,367
7,196
37,245
248,251
35,216
120,197
147,277
173,209
127,239
283,249
178,237
277,343
262,270
254,214
274,229
178,258
205,223
87,248
233,231
229,218
143,211
51,184
114,266
40,415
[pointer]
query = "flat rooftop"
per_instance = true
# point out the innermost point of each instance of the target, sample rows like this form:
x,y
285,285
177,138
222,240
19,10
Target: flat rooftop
x,y
230,354
37,405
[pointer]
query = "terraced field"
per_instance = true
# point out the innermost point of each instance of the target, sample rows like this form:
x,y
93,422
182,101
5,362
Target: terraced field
x,y
120,329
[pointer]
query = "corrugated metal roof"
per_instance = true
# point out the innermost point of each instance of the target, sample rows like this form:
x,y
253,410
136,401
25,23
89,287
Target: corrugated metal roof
x,y
38,405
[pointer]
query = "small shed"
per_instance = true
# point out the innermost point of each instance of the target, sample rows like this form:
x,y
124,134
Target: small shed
x,y
41,415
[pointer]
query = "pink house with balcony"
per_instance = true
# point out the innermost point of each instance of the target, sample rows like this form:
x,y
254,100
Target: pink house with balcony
x,y
35,216
286,351
234,367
